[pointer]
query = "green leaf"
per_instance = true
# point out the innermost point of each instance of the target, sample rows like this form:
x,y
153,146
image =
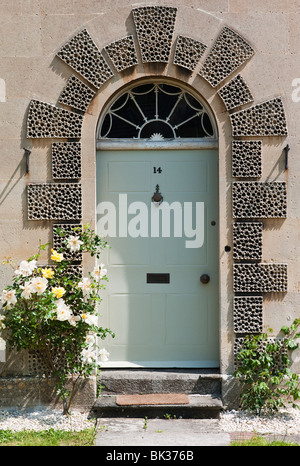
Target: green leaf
x,y
292,344
285,330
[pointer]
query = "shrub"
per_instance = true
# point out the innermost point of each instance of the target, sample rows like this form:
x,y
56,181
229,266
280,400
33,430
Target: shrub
x,y
53,311
263,368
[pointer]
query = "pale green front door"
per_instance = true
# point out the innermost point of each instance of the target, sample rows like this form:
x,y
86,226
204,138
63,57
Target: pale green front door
x,y
160,311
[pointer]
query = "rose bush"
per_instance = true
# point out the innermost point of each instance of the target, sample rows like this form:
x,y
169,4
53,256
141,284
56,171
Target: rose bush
x,y
53,311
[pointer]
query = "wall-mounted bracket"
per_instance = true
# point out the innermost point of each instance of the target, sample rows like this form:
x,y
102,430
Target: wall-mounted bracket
x,y
286,150
27,154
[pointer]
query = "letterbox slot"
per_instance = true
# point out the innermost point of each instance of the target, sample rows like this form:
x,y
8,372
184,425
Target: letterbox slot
x,y
158,278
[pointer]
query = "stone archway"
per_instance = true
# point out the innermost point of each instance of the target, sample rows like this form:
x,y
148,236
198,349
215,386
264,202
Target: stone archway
x,y
252,199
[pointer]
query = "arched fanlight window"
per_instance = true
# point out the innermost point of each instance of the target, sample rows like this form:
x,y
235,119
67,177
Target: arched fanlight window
x,y
156,111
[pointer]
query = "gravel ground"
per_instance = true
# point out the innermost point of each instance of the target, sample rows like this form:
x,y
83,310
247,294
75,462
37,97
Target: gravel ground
x,y
285,422
43,419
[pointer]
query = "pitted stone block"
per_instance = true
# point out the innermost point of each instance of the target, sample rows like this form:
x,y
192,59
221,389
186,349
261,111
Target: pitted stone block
x,y
248,314
59,241
51,201
155,27
188,52
282,350
260,278
266,119
246,159
122,53
76,94
66,160
82,54
254,199
36,364
228,53
235,93
247,240
47,121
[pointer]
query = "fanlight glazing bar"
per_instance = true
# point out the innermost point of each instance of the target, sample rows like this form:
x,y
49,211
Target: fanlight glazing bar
x,y
156,110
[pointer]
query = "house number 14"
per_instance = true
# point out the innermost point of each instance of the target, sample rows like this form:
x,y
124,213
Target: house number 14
x,y
157,170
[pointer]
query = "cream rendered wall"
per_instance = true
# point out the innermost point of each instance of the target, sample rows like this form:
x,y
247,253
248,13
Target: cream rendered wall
x,y
31,33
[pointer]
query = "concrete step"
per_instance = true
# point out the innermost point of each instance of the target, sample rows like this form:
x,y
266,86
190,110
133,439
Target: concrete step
x,y
190,381
199,407
203,388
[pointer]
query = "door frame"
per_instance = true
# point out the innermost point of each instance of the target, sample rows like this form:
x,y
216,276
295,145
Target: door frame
x,y
139,144
126,145
174,144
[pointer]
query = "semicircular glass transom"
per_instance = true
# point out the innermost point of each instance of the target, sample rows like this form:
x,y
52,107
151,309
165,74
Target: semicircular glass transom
x,y
156,111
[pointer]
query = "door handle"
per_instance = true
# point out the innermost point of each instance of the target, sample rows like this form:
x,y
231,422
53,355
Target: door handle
x,y
204,278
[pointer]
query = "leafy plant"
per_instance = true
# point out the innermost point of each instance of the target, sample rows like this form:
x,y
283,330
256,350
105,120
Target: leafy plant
x,y
263,368
52,311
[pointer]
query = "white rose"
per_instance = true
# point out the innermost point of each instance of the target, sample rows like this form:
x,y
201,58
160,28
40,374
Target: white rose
x,y
27,290
90,319
88,355
26,268
85,286
39,284
63,311
74,243
99,272
103,355
8,297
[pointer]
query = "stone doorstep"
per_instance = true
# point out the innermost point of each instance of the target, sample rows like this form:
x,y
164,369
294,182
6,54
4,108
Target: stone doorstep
x,y
133,381
199,406
201,389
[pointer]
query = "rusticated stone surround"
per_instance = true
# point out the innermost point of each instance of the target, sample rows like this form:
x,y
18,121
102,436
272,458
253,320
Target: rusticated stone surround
x,y
155,28
54,201
228,53
82,54
252,199
66,160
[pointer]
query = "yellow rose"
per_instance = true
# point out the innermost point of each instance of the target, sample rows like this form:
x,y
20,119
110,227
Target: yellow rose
x,y
58,291
56,256
47,273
